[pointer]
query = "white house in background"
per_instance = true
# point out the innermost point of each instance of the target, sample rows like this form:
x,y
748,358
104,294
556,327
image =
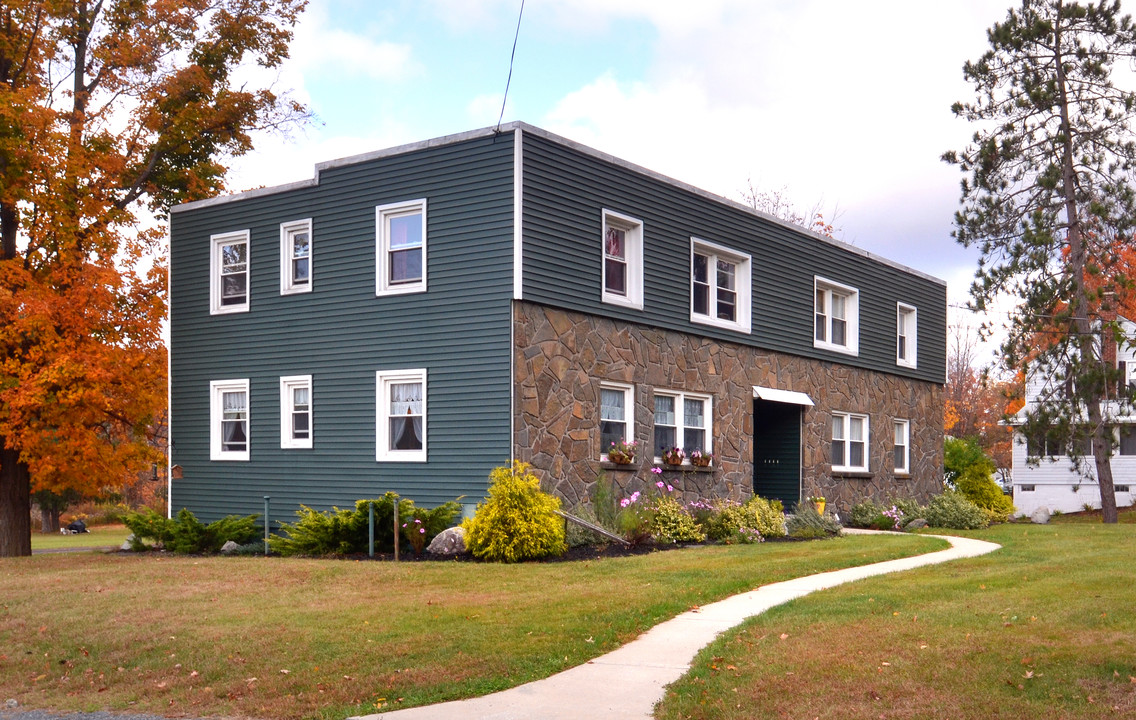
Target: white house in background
x,y
1053,482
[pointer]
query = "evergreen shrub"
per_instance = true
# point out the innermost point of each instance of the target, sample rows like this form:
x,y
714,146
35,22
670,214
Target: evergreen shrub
x,y
518,521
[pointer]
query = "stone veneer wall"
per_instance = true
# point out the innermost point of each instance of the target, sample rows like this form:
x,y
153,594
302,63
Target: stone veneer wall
x,y
561,357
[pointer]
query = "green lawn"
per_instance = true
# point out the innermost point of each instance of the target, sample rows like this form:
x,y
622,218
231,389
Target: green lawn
x,y
286,638
1125,515
99,536
1044,628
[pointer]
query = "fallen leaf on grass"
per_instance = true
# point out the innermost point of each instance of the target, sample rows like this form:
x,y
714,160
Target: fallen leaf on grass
x,y
1028,675
784,635
285,672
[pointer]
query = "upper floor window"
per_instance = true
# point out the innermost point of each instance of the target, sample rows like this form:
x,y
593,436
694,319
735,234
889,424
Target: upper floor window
x,y
720,281
1127,440
229,273
837,317
296,257
401,248
905,335
401,431
617,408
849,441
622,260
682,421
229,420
296,411
901,447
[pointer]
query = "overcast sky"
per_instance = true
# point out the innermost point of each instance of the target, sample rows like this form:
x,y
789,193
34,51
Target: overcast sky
x,y
837,102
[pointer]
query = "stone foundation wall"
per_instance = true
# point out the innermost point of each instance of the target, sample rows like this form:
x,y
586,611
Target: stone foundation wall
x,y
561,357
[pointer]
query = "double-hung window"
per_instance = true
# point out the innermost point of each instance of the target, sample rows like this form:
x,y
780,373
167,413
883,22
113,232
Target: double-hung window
x,y
683,421
229,420
905,338
1127,440
229,273
401,431
296,411
296,257
849,442
401,248
617,408
836,317
901,447
622,260
720,286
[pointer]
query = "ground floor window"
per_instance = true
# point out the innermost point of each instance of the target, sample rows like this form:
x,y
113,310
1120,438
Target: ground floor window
x,y
849,441
229,420
401,413
902,446
682,420
617,408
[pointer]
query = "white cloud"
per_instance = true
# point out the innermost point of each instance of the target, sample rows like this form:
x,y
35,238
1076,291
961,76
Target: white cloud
x,y
319,48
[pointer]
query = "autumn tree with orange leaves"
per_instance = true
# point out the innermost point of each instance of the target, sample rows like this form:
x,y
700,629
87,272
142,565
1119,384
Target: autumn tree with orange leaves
x,y
109,110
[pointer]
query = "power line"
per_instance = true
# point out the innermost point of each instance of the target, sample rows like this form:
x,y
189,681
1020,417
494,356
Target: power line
x,y
512,55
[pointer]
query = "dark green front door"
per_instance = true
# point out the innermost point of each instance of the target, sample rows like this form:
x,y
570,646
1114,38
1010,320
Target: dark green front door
x,y
777,451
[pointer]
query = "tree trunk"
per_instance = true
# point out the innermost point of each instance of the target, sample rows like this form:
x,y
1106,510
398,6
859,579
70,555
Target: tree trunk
x,y
15,504
49,519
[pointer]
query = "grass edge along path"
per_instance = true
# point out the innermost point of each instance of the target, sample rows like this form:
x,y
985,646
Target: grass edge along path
x,y
660,656
1042,628
296,639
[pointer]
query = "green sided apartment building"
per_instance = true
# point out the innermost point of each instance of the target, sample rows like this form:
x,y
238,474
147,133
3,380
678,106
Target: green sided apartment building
x,y
413,317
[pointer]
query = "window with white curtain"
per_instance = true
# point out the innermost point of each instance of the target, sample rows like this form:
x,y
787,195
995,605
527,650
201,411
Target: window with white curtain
x,y
229,420
617,408
401,431
682,420
296,411
849,441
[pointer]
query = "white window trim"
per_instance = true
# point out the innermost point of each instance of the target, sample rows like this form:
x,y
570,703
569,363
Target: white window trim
x,y
382,283
680,419
912,329
847,416
383,380
628,405
287,282
215,243
216,388
743,277
633,236
287,384
906,469
852,306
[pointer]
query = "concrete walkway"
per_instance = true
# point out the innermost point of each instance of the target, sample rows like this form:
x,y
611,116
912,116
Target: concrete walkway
x,y
626,683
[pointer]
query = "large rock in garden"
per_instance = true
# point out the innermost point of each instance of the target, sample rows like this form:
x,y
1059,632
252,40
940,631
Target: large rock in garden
x,y
448,542
128,543
1040,516
229,548
916,524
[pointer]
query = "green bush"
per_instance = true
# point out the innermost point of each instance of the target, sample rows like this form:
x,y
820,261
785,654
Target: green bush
x,y
865,514
671,523
953,510
345,532
729,521
518,521
605,506
807,523
186,534
969,471
911,509
768,516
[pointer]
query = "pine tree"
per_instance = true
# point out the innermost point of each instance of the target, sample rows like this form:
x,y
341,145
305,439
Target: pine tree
x,y
1048,198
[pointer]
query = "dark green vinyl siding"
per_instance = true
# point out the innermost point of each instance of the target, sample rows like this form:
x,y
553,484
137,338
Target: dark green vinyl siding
x,y
341,334
565,191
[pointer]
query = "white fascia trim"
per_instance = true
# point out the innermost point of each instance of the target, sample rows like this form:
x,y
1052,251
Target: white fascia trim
x,y
382,287
634,228
286,286
853,320
215,242
744,280
169,394
518,215
912,335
